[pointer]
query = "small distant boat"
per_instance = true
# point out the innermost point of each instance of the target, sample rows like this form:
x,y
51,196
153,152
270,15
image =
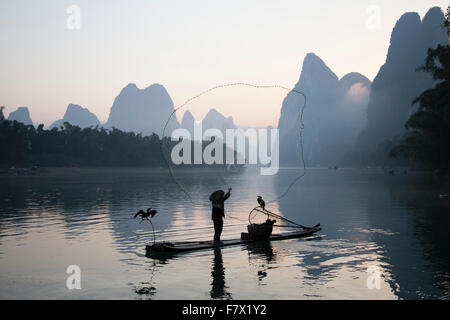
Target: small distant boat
x,y
173,247
333,168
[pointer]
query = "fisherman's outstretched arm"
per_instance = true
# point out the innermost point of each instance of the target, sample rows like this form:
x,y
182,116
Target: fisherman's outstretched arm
x,y
227,195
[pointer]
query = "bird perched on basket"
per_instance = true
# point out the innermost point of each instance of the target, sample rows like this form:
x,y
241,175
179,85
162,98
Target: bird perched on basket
x,y
144,215
261,202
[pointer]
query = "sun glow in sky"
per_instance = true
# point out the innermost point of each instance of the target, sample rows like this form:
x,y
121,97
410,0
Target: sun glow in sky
x,y
358,92
187,46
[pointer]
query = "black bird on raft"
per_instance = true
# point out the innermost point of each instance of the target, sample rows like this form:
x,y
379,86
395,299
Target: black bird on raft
x,y
261,202
144,215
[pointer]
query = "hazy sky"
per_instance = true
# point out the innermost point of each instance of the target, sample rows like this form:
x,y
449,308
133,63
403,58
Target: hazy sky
x,y
187,46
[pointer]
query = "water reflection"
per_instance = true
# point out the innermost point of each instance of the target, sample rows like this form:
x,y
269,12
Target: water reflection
x,y
397,223
218,285
430,220
260,255
146,288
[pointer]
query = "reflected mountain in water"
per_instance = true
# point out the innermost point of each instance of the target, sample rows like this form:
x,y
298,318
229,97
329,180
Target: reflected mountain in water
x,y
424,273
400,228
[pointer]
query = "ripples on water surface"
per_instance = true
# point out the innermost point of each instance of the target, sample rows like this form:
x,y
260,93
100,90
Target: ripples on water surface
x,y
57,218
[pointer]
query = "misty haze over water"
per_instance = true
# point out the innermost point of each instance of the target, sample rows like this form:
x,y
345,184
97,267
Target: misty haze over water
x,y
85,217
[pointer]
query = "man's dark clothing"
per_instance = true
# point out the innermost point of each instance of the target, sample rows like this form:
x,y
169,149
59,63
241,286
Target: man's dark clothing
x,y
218,211
218,226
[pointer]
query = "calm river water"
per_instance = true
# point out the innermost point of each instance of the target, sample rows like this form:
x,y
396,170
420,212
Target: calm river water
x,y
396,224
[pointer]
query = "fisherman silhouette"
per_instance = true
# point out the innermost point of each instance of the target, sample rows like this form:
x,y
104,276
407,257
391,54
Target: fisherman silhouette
x,y
217,199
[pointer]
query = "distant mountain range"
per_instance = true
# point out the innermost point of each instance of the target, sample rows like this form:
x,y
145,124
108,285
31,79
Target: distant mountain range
x,y
347,116
212,120
138,110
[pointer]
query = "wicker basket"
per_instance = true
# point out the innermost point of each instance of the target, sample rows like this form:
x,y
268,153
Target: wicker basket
x,y
260,231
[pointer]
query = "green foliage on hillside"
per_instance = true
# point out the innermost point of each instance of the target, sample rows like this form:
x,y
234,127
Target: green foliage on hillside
x,y
71,145
428,139
25,145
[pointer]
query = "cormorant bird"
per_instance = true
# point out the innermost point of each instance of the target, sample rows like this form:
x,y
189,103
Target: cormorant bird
x,y
261,202
144,215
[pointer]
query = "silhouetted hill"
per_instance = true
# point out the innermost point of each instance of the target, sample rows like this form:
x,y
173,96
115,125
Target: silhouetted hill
x,y
77,116
333,117
188,122
215,120
397,83
22,115
142,110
